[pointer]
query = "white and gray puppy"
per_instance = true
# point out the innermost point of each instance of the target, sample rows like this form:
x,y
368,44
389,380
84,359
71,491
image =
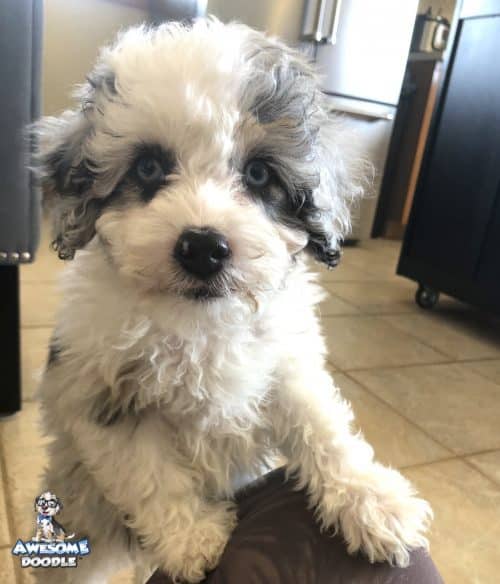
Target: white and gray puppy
x,y
199,171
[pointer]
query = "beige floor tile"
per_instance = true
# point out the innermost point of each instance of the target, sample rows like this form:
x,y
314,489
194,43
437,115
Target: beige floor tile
x,y
39,302
26,576
346,272
46,267
488,463
5,536
378,262
25,459
466,529
335,306
489,369
377,297
371,260
396,442
455,405
460,334
390,247
7,574
34,349
123,577
368,341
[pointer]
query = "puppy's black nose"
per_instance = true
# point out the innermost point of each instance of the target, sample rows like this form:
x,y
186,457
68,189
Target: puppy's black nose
x,y
202,252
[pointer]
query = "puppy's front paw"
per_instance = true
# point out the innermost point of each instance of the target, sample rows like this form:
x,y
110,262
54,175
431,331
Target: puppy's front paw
x,y
199,549
385,520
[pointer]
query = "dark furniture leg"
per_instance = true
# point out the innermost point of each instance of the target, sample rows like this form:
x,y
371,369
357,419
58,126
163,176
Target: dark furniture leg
x,y
426,297
10,347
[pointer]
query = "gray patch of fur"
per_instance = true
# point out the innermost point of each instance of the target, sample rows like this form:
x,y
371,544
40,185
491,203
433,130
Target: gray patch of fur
x,y
306,140
54,352
108,410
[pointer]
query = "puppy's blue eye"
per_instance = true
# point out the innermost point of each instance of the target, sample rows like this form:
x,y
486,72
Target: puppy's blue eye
x,y
149,170
257,174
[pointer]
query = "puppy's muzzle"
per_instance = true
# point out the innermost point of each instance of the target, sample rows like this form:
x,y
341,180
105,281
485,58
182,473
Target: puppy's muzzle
x,y
202,252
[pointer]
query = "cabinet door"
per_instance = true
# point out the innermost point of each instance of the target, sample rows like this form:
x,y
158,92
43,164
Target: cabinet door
x,y
458,189
488,273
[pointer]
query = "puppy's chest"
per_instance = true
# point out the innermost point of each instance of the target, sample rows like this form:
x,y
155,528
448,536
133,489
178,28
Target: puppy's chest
x,y
203,377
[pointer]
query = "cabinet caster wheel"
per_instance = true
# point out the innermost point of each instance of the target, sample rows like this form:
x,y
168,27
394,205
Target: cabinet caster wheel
x,y
426,297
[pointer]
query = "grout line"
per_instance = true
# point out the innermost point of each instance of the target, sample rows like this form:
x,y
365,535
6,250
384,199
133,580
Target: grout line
x,y
9,507
401,366
9,511
460,457
390,367
387,280
37,326
362,311
478,452
333,296
420,340
477,372
447,325
478,360
384,315
391,407
426,364
410,335
429,463
466,460
23,281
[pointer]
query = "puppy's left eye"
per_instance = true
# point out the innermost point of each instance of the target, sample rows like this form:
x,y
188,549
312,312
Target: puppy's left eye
x,y
257,174
149,170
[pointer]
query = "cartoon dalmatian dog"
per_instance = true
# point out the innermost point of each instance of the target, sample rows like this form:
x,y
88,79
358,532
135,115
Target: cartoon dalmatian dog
x,y
47,506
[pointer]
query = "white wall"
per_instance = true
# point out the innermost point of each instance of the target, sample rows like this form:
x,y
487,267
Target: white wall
x,y
74,30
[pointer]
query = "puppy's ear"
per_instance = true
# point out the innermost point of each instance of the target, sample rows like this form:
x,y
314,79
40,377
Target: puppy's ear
x,y
325,178
343,180
36,502
66,178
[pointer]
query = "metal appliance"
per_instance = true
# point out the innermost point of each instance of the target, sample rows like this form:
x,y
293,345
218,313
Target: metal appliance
x,y
361,46
182,10
431,33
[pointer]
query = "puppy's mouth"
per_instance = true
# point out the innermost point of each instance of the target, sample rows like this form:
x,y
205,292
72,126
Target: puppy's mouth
x,y
203,293
220,286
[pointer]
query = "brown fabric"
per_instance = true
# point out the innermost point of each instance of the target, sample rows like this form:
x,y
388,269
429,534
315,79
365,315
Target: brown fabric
x,y
277,541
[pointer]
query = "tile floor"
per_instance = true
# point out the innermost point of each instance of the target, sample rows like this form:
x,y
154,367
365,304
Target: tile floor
x,y
425,387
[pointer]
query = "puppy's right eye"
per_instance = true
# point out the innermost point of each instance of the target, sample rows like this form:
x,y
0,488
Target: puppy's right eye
x,y
257,174
149,170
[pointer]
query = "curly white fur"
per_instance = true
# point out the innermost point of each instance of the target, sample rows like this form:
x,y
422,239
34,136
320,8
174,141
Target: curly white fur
x,y
160,405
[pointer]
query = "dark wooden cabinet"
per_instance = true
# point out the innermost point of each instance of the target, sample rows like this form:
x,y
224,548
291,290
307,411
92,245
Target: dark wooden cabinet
x,y
452,243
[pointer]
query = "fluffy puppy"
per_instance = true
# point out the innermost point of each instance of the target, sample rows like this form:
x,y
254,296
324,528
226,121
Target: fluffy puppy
x,y
198,173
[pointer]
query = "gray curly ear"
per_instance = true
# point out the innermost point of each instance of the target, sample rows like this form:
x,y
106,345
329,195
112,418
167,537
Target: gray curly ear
x,y
344,179
66,178
325,177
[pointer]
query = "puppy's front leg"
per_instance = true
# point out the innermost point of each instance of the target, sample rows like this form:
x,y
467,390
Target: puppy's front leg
x,y
159,495
374,507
